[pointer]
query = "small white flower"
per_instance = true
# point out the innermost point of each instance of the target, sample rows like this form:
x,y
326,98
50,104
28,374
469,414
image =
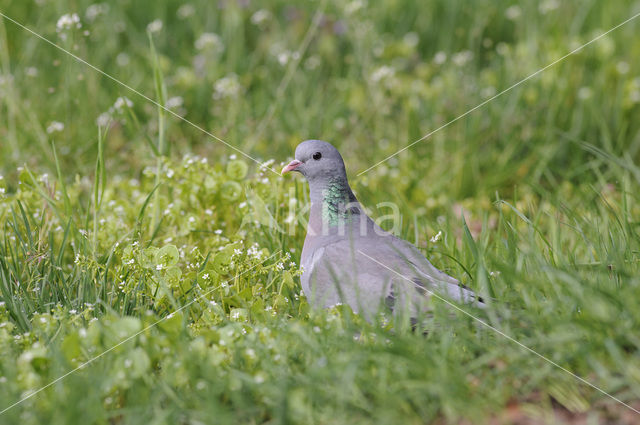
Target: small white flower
x,y
218,231
260,17
437,237
411,39
209,41
120,103
312,62
95,10
382,73
353,6
502,48
68,21
73,311
622,67
584,93
54,127
122,59
283,57
154,26
174,102
185,11
547,6
512,13
228,86
462,58
103,119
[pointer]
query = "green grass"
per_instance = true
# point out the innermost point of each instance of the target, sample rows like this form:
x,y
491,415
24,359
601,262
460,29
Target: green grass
x,y
106,230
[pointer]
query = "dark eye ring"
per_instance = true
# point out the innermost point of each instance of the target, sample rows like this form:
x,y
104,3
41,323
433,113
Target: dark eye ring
x,y
317,156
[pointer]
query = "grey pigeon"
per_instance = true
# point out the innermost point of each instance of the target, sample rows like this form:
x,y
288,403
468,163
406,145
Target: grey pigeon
x,y
348,259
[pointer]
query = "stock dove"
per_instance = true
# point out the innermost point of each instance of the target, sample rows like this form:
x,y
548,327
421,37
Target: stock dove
x,y
349,259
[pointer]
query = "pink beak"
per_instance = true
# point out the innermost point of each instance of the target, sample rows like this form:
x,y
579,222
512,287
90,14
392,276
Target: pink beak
x,y
291,166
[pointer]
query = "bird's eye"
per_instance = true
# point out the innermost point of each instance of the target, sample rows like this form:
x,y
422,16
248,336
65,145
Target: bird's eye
x,y
317,156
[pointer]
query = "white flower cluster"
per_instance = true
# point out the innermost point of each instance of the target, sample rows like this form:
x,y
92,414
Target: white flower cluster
x,y
105,118
440,58
382,73
185,11
55,127
95,10
547,6
254,251
154,26
210,42
67,22
228,86
513,12
260,17
174,102
120,103
462,58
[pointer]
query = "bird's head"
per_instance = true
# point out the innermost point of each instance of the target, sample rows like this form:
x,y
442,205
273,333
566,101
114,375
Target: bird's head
x,y
316,159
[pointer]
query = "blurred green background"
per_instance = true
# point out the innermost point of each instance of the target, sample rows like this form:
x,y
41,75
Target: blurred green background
x,y
373,78
116,214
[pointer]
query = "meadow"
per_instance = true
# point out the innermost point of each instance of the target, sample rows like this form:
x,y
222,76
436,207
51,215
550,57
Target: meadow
x,y
149,254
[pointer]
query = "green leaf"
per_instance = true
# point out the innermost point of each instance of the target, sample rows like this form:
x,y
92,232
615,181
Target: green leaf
x,y
237,169
230,191
137,362
221,262
168,256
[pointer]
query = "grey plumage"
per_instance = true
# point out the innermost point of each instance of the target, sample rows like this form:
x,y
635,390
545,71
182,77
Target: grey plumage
x,y
349,259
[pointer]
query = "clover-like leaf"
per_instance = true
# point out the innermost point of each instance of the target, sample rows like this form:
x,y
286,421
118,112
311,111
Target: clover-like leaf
x,y
230,191
137,362
237,169
221,262
147,257
168,256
